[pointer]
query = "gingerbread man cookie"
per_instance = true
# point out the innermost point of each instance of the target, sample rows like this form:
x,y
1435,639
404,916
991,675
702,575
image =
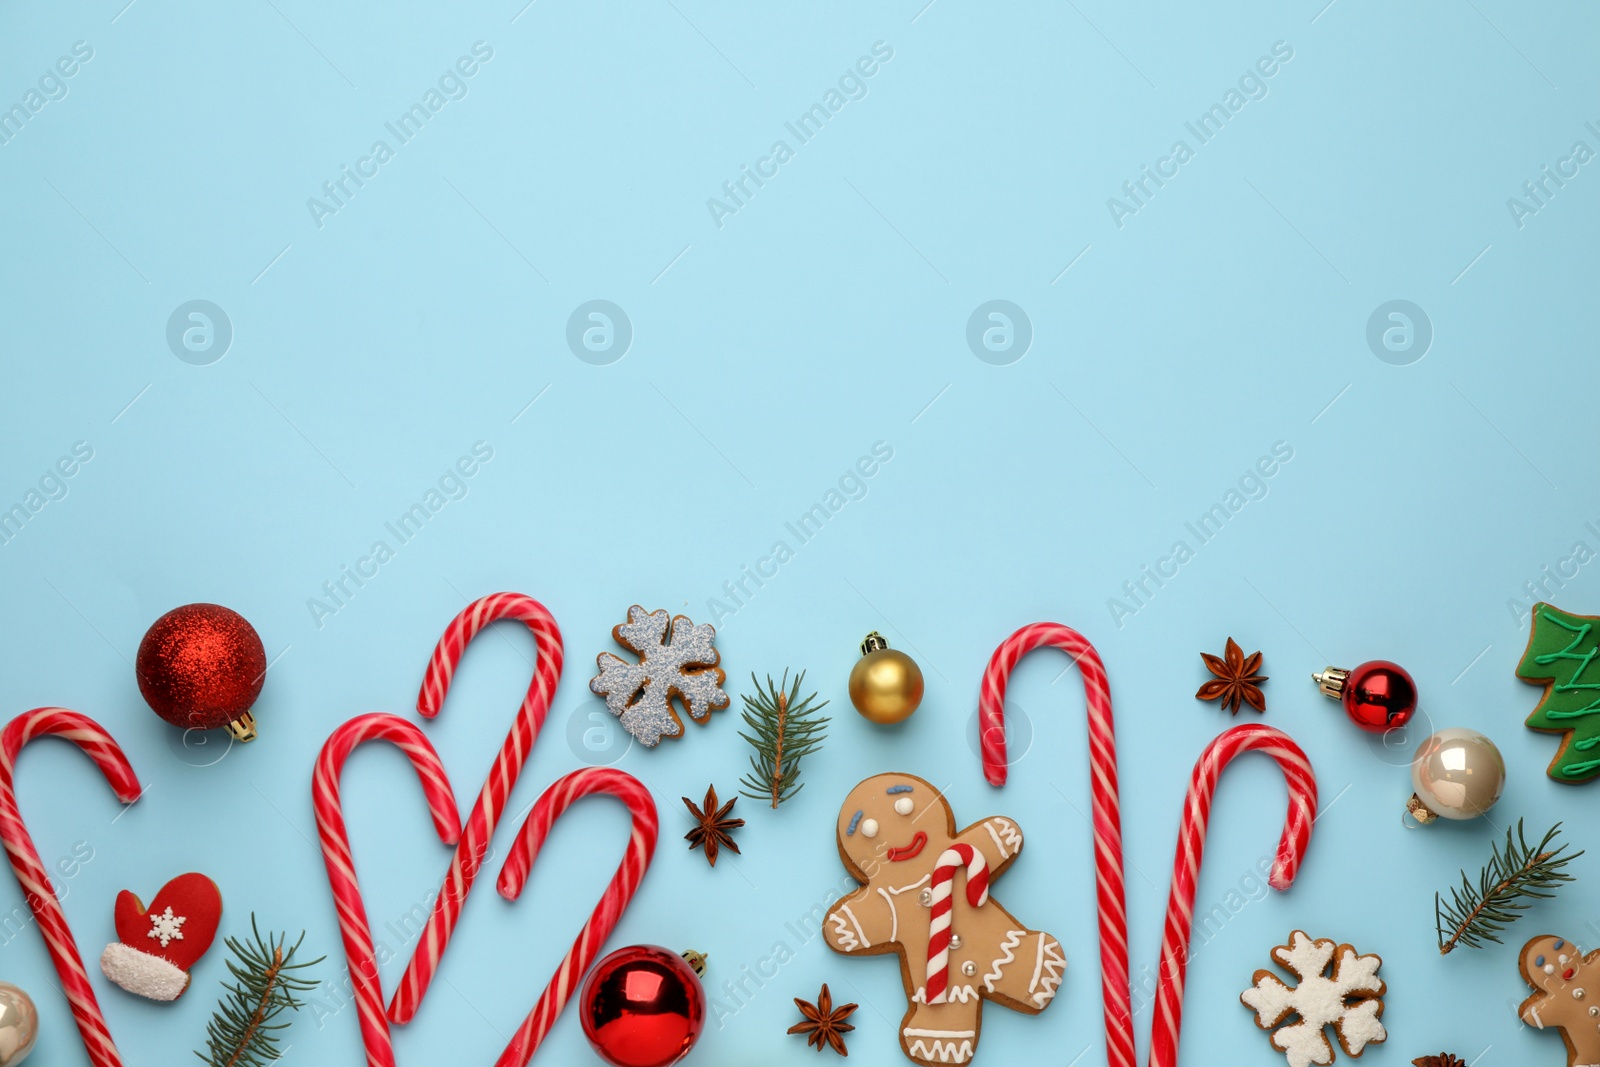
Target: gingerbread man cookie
x,y
925,897
1568,997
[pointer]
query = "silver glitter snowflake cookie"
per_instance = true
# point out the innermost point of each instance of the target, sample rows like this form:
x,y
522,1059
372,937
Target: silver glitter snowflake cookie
x,y
677,661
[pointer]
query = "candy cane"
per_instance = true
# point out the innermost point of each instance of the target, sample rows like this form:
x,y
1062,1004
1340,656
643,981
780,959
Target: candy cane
x,y
1110,890
957,857
1191,845
360,955
31,875
514,875
497,787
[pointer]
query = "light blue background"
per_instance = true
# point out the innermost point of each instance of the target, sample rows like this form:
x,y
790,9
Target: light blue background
x,y
768,355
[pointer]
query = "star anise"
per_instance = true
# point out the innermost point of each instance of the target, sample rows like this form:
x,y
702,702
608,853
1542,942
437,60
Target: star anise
x,y
713,832
824,1024
1443,1059
1236,679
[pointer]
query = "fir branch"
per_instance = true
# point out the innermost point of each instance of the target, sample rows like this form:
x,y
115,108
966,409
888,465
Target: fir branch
x,y
784,729
1513,878
243,1031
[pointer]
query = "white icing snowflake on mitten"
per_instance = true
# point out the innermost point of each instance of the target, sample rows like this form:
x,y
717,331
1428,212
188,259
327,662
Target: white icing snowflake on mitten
x,y
677,660
166,926
1350,1001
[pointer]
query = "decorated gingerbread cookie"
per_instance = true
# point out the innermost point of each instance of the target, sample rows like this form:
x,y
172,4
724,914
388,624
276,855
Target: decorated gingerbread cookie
x,y
158,945
925,897
1568,997
1563,655
677,664
1349,999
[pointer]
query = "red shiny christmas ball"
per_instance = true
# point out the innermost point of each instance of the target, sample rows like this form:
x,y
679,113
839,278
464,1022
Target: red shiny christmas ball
x,y
1379,696
642,1006
201,666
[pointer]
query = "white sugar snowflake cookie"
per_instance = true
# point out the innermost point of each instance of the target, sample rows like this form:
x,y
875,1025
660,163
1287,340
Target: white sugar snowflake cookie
x,y
677,661
1350,1000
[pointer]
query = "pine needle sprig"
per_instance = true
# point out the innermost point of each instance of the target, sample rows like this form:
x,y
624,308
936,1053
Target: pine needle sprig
x,y
784,729
244,1030
1515,877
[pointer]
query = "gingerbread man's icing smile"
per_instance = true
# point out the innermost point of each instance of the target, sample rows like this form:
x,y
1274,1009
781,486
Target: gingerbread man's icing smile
x,y
905,807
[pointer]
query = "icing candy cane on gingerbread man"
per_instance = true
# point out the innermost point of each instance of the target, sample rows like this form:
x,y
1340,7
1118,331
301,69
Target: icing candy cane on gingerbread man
x,y
925,897
1569,995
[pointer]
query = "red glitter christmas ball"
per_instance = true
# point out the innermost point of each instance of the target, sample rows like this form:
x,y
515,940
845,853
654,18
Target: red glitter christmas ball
x,y
642,1006
201,666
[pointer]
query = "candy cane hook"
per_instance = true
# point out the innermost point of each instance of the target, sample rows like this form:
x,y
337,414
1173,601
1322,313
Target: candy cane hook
x,y
514,875
497,787
1110,890
360,955
1191,846
31,875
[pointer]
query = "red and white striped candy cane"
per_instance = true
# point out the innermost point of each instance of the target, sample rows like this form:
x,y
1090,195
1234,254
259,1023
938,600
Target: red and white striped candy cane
x,y
360,955
31,875
1110,890
502,777
1191,845
514,875
951,860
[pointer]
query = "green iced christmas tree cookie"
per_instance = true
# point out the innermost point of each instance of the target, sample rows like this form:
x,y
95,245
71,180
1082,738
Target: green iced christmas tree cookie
x,y
1562,656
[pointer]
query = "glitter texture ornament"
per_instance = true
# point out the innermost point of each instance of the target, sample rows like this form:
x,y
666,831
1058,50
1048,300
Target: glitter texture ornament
x,y
202,666
677,661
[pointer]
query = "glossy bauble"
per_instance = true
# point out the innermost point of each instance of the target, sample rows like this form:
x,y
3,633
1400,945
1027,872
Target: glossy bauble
x,y
885,685
642,1006
201,666
1457,774
1379,696
19,1025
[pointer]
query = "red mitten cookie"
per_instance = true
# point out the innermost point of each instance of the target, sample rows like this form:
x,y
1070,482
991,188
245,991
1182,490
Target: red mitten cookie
x,y
158,945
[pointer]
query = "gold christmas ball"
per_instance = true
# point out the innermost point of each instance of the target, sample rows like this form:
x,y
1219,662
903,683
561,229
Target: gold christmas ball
x,y
885,685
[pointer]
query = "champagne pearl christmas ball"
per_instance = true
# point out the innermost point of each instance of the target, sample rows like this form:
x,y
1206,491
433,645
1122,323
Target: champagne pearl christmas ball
x,y
19,1025
1457,774
885,684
